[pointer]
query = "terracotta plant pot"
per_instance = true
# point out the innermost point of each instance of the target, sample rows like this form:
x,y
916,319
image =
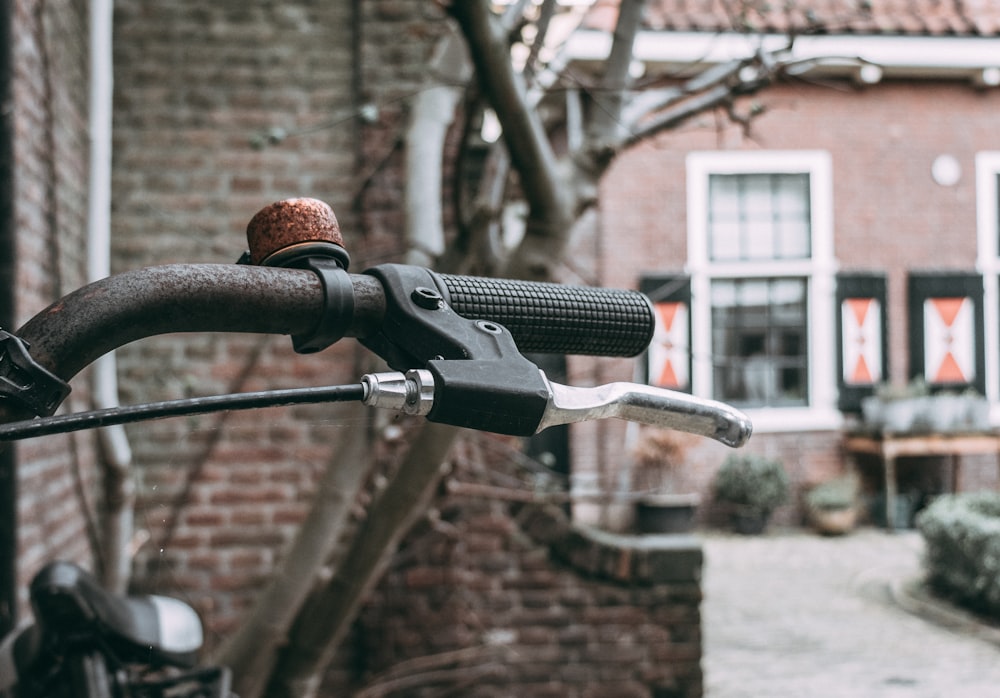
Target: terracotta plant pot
x,y
834,522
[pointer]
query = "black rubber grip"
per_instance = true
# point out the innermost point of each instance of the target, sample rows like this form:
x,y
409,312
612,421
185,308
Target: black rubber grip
x,y
555,318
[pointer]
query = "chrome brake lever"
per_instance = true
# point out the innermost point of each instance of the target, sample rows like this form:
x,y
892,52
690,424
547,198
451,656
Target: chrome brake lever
x,y
413,393
647,405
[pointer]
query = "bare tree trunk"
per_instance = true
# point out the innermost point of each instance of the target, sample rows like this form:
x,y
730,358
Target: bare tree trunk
x,y
331,609
252,651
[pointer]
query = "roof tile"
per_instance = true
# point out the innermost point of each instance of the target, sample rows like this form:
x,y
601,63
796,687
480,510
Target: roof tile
x,y
906,17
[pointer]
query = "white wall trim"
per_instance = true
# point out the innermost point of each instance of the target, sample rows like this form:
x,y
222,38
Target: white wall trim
x,y
932,56
988,261
821,269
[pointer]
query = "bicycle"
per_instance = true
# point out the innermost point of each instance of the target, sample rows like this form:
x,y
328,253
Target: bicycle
x,y
454,346
89,642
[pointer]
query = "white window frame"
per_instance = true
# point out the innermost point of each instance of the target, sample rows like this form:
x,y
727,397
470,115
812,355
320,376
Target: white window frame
x,y
820,269
988,263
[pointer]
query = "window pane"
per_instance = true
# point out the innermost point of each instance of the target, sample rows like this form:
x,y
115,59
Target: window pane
x,y
759,345
791,196
760,239
725,241
759,217
757,197
724,193
792,239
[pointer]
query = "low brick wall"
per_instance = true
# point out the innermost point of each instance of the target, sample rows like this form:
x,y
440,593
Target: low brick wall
x,y
496,599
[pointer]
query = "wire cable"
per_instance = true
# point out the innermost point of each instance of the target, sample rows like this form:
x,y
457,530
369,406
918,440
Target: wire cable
x,y
176,408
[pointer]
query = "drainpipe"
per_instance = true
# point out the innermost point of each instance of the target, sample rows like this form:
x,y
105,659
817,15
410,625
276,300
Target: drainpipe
x,y
115,450
8,462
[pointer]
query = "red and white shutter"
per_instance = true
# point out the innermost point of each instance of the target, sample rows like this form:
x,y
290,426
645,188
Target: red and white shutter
x,y
668,361
861,319
949,340
669,352
863,364
947,329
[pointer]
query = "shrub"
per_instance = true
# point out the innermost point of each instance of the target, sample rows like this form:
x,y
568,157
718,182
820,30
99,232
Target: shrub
x,y
752,482
839,493
962,536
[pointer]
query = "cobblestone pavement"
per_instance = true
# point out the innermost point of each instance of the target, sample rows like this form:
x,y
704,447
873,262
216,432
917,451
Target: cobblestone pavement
x,y
794,614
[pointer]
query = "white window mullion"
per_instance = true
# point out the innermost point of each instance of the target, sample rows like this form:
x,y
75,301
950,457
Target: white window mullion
x,y
701,309
988,262
701,335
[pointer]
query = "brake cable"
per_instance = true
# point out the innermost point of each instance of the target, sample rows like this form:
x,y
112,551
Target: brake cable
x,y
127,414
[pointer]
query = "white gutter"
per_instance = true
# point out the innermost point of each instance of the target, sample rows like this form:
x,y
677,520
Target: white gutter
x,y
972,58
116,451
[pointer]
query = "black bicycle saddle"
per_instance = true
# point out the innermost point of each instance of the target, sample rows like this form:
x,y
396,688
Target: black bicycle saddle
x,y
71,605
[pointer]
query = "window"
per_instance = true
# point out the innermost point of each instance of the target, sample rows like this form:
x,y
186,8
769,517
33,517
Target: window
x,y
761,264
759,341
758,216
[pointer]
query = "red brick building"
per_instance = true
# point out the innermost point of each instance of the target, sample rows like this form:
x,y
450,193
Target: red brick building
x,y
798,257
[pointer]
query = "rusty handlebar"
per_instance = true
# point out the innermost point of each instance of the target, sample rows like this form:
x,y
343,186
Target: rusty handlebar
x,y
466,334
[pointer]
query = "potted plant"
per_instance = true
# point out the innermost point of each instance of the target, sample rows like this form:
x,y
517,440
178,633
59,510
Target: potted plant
x,y
662,505
832,506
751,487
914,409
897,409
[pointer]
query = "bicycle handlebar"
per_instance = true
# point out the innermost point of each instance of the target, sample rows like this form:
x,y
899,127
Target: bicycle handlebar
x,y
98,318
468,333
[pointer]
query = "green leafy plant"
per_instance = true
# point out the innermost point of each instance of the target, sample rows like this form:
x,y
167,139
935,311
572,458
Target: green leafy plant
x,y
753,483
832,506
838,493
962,537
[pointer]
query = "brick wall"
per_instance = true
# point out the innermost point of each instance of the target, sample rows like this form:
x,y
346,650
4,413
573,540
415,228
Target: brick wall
x,y
221,109
57,474
491,598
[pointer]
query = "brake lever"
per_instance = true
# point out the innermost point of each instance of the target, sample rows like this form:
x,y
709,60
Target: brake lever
x,y
417,392
648,405
413,393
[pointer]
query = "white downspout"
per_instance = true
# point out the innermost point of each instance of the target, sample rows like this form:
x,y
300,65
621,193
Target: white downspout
x,y
116,452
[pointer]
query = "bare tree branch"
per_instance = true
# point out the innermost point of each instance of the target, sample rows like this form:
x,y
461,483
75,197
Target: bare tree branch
x,y
530,150
717,88
545,14
610,97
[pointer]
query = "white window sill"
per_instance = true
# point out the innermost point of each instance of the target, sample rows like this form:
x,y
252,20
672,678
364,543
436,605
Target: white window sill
x,y
773,420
